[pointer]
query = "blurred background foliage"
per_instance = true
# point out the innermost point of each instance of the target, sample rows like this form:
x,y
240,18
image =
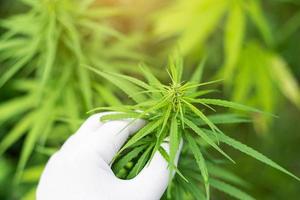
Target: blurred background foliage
x,y
45,92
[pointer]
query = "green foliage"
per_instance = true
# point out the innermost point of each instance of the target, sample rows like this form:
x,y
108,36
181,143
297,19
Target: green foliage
x,y
174,115
194,22
45,89
191,190
271,74
40,54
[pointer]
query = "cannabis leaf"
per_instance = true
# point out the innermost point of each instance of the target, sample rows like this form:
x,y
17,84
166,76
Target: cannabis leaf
x,y
40,51
193,22
174,113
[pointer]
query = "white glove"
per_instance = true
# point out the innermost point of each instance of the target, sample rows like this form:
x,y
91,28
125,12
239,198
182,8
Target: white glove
x,y
80,170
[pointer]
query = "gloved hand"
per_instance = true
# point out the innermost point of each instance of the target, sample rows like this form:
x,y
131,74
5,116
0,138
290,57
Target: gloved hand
x,y
80,170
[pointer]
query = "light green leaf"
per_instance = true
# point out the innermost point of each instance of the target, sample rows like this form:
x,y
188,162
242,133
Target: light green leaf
x,y
107,95
199,30
228,104
194,189
73,113
205,137
200,93
256,14
128,157
149,128
234,35
14,69
228,119
16,106
197,74
202,116
50,51
229,189
32,174
47,151
200,162
127,87
221,173
17,132
36,132
118,116
132,80
152,80
174,139
285,80
31,194
253,153
101,29
140,163
166,156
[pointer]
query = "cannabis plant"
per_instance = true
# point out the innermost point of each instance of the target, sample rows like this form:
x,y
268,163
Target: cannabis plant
x,y
176,113
220,179
272,77
40,55
193,23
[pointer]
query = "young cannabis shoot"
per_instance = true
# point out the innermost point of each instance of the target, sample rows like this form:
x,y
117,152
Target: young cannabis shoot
x,y
174,112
